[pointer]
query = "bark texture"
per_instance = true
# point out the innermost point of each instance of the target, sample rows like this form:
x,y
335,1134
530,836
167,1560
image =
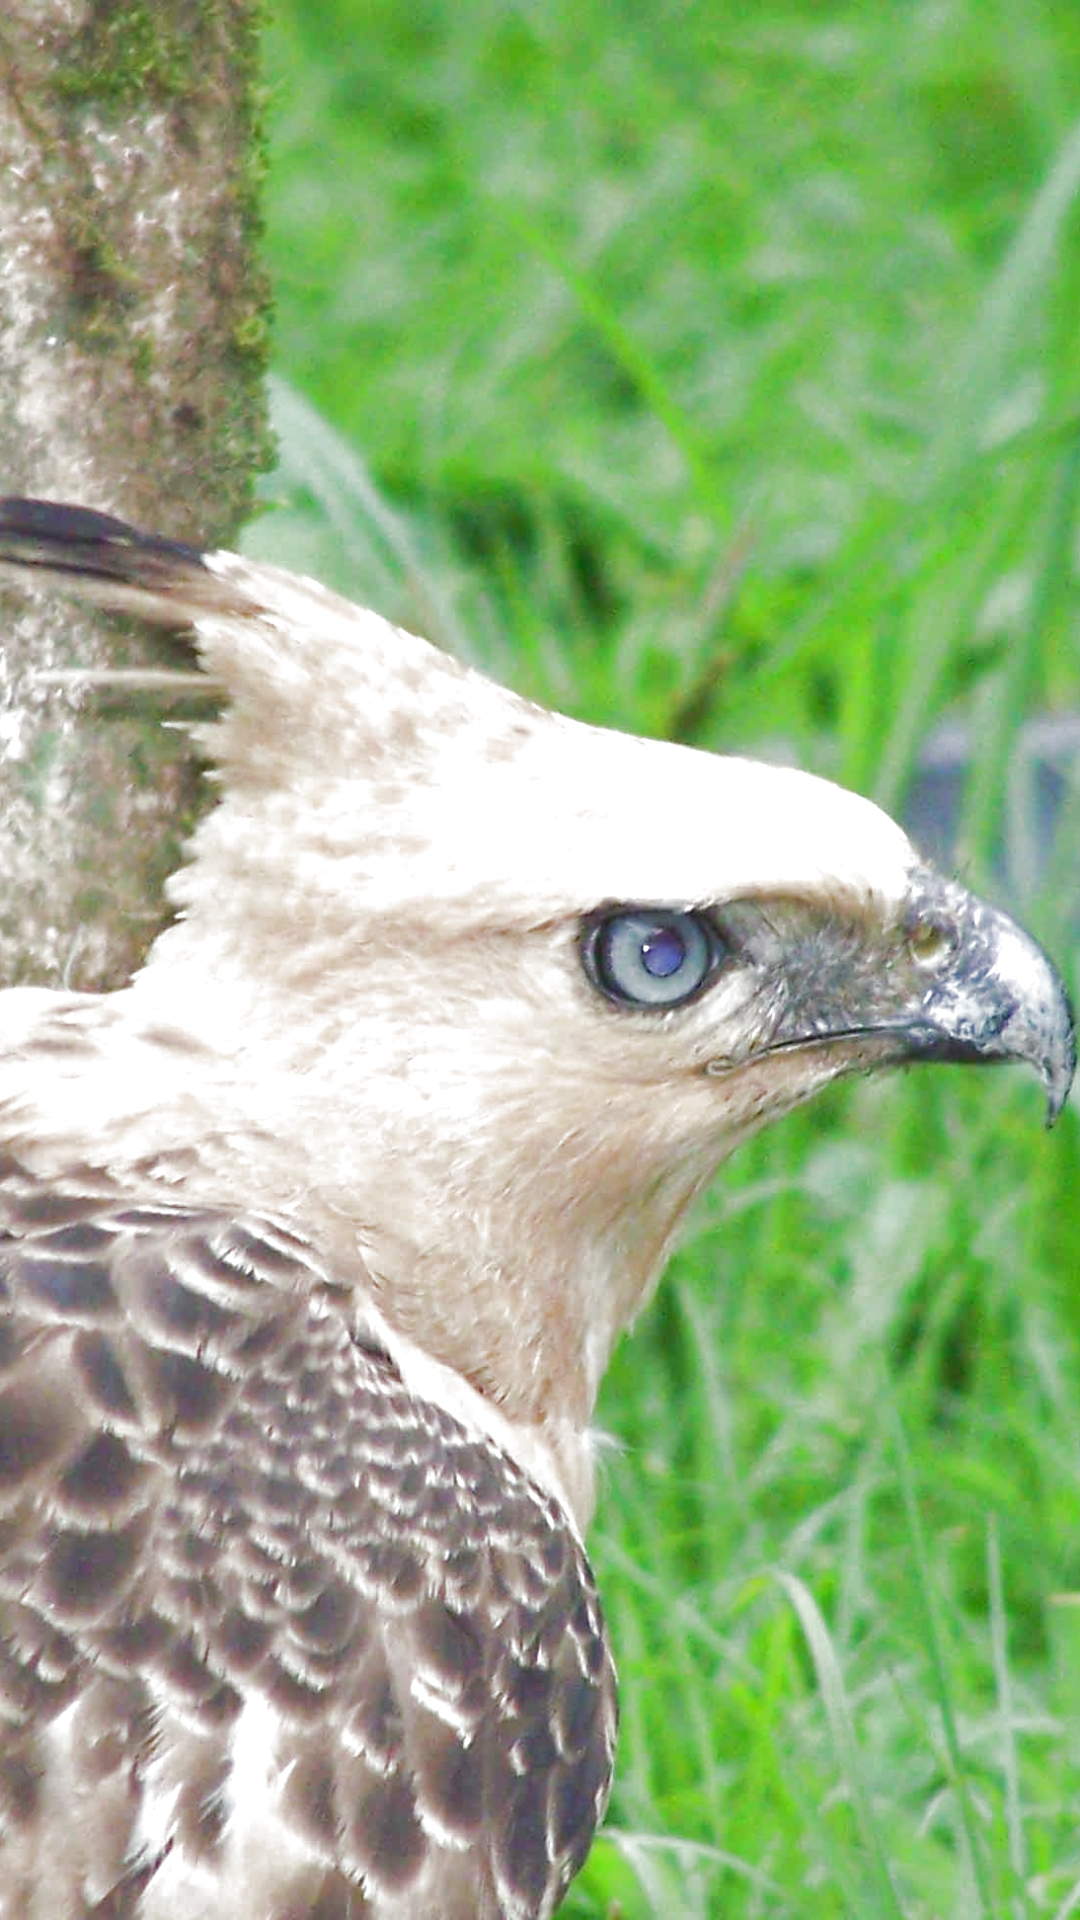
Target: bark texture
x,y
132,348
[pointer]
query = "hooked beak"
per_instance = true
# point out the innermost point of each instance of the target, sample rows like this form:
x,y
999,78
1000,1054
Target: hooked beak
x,y
999,997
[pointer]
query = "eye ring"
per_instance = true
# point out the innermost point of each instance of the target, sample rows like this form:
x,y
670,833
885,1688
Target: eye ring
x,y
651,958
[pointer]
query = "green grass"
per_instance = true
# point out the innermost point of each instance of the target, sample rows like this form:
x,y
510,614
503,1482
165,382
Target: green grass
x,y
715,372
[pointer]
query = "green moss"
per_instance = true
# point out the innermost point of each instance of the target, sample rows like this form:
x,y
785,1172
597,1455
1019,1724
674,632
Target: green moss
x,y
103,286
251,332
127,53
142,358
252,328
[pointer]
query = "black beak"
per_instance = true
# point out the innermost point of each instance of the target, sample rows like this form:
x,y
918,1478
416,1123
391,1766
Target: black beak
x,y
995,996
956,980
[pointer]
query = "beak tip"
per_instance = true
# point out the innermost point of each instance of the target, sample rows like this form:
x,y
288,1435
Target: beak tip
x,y
1003,999
1057,1077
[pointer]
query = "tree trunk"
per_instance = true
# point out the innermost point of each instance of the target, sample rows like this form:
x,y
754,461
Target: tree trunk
x,y
132,348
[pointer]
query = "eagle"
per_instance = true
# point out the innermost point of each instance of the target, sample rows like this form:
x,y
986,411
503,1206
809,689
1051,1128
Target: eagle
x,y
315,1239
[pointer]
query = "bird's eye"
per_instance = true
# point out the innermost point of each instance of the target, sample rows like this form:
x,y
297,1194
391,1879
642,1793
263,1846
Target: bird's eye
x,y
651,956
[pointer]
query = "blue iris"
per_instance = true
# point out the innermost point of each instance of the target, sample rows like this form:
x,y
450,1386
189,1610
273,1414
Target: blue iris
x,y
663,953
652,956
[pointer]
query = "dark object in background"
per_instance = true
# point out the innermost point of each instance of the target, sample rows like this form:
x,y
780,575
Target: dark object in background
x,y
1043,778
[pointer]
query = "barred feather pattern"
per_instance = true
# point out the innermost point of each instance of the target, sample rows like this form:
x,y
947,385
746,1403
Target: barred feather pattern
x,y
277,1636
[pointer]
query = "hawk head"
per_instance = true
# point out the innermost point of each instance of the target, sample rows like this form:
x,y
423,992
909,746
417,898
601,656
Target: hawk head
x,y
484,994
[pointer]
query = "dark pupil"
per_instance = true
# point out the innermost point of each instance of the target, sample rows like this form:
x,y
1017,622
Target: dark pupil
x,y
662,953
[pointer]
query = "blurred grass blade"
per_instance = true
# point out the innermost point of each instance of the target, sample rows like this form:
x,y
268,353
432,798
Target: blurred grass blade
x,y
999,1640
1007,315
935,1646
834,1697
1008,699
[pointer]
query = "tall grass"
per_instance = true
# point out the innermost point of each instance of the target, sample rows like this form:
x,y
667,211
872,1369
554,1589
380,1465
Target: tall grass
x,y
715,372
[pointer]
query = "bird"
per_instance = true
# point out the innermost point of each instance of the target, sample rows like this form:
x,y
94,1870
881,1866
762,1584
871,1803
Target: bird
x,y
316,1236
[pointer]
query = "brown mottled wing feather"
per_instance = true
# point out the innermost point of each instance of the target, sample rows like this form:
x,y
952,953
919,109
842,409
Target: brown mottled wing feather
x,y
272,1629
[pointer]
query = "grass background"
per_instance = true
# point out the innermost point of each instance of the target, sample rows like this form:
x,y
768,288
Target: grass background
x,y
715,371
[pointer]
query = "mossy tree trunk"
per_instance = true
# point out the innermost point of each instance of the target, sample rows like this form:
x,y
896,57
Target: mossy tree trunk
x,y
132,345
